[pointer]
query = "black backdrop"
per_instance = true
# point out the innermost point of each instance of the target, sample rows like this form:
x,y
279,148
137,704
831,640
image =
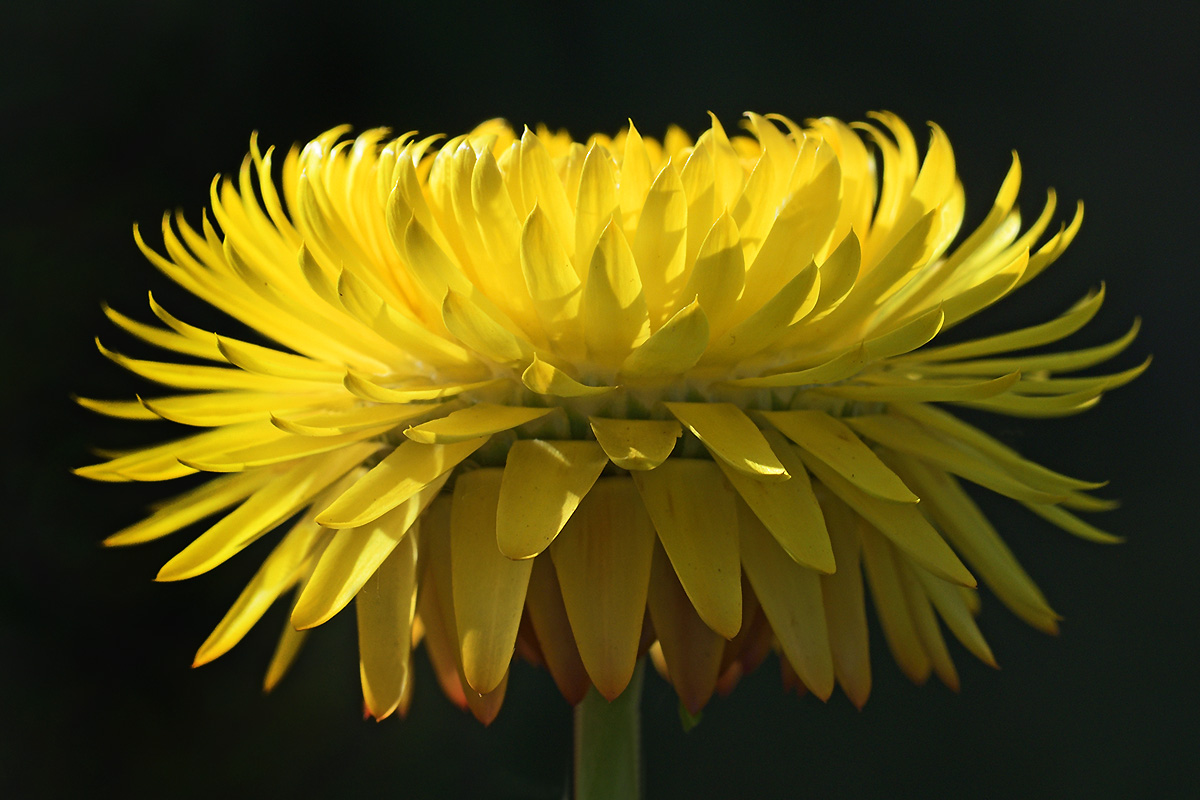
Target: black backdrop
x,y
113,112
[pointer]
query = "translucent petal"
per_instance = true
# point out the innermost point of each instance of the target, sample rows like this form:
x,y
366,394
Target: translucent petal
x,y
544,604
835,444
692,651
285,449
732,437
613,309
797,298
955,430
544,481
926,625
488,589
790,595
352,558
788,509
887,388
365,388
330,422
659,246
403,473
602,559
845,605
695,514
891,605
957,615
283,496
636,444
719,273
961,521
480,419
672,349
287,564
900,522
384,610
205,500
901,435
545,378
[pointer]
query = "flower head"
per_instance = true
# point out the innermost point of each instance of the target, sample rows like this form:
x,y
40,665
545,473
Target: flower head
x,y
588,400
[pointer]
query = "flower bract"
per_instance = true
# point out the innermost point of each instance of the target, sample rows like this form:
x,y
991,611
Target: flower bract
x,y
584,401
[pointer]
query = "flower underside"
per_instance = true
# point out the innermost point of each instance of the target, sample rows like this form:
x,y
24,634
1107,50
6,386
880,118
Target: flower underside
x,y
592,400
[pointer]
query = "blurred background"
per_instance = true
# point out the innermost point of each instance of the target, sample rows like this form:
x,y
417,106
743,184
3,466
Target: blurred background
x,y
114,112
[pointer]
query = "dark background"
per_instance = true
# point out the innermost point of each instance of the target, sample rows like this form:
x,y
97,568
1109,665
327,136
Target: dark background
x,y
113,112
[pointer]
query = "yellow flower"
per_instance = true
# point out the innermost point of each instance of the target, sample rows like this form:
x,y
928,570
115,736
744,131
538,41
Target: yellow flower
x,y
590,400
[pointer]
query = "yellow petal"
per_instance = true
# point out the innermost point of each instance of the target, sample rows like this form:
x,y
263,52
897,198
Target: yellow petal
x,y
889,388
695,514
266,361
327,422
283,496
472,326
966,527
1072,524
732,437
948,426
892,607
840,367
845,607
545,378
636,444
403,473
353,556
168,340
480,419
122,409
549,276
488,589
548,615
602,559
613,308
953,609
540,180
284,449
900,522
906,437
1026,337
719,272
835,444
793,302
595,202
212,409
791,598
788,509
544,482
925,624
384,610
429,264
1069,361
209,498
673,349
435,602
286,650
635,172
691,649
161,462
658,245
365,388
287,564
193,378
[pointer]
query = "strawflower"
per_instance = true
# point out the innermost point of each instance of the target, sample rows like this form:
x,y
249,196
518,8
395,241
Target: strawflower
x,y
589,401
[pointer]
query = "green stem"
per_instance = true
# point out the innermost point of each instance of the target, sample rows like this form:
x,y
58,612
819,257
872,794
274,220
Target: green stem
x,y
608,744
